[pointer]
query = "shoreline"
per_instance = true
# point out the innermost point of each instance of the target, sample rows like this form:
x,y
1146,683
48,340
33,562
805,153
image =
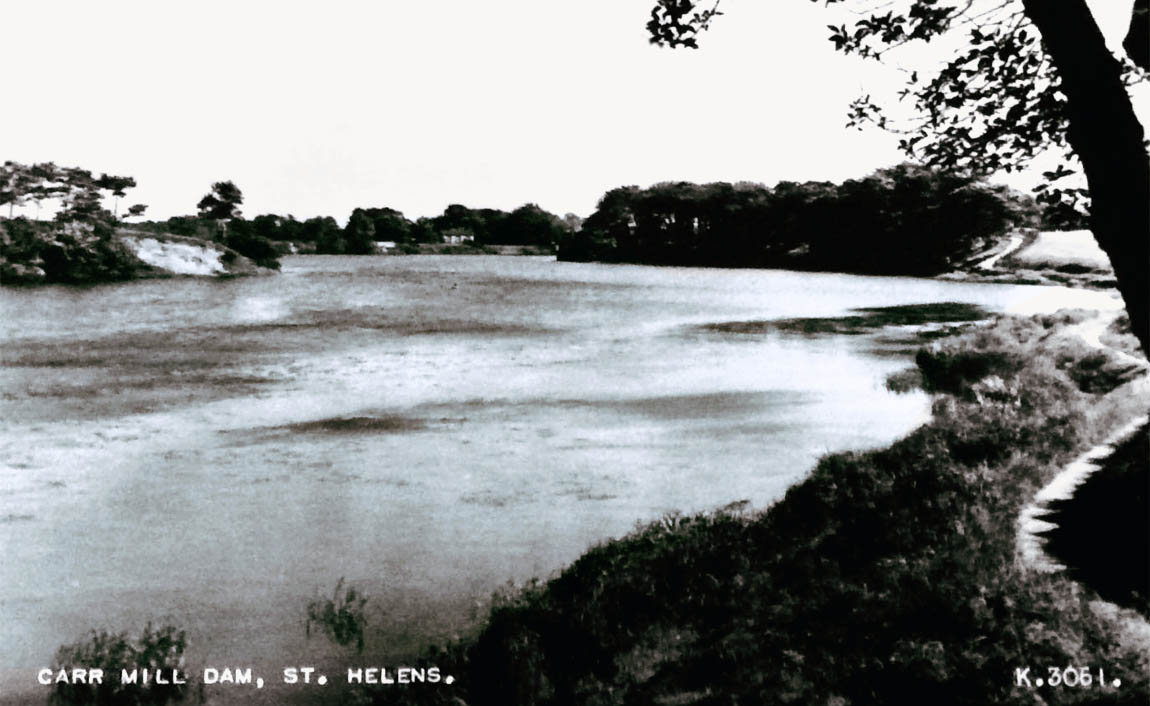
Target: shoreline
x,y
162,255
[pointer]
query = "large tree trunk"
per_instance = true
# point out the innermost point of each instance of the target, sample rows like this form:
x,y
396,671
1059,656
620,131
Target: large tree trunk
x,y
1108,138
1137,42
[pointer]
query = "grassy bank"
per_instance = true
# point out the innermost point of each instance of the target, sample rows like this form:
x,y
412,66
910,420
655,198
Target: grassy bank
x,y
886,577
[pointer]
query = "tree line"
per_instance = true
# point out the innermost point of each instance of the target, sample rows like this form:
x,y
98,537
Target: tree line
x,y
905,219
527,225
78,197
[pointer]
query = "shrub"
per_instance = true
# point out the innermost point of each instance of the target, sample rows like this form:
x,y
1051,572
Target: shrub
x,y
88,256
257,248
904,381
21,240
161,649
341,617
955,371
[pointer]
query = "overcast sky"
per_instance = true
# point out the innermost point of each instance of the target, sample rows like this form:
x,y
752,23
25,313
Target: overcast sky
x,y
316,108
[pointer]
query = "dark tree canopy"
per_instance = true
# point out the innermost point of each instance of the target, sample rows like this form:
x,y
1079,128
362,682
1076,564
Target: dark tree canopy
x,y
359,234
461,220
222,203
530,225
1032,75
902,220
118,185
115,184
390,224
269,226
325,233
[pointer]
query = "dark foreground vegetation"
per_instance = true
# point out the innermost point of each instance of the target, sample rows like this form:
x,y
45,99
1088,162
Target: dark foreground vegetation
x,y
902,220
886,577
1101,533
154,649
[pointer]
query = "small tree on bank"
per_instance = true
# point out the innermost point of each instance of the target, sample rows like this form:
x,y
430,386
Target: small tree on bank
x,y
221,205
117,185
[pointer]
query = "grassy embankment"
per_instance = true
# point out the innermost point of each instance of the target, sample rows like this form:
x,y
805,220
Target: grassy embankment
x,y
889,576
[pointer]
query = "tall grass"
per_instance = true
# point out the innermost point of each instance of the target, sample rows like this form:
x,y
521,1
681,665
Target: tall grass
x,y
153,649
341,617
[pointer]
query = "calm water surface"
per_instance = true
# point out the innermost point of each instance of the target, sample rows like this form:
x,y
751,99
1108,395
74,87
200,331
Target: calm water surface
x,y
212,453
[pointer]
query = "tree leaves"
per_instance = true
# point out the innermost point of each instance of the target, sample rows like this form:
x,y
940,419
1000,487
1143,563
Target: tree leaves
x,y
675,23
222,203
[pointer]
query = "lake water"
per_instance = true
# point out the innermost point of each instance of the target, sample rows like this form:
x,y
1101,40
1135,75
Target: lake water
x,y
213,453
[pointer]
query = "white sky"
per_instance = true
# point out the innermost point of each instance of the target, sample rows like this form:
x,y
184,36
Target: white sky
x,y
314,109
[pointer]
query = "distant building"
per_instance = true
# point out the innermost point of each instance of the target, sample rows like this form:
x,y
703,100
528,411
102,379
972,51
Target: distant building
x,y
383,246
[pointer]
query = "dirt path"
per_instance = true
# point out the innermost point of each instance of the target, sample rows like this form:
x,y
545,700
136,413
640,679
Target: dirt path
x,y
1057,258
1016,241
